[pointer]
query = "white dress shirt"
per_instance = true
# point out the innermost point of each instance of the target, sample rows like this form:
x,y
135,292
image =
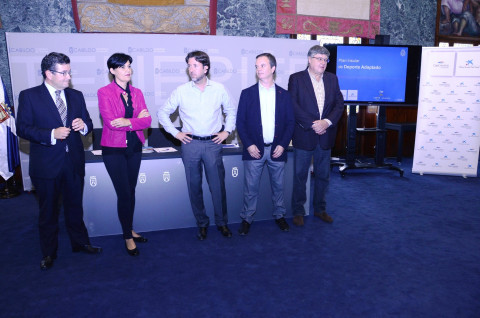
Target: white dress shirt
x,y
267,109
200,111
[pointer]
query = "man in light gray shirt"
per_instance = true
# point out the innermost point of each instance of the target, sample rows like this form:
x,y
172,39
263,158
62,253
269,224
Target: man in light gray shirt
x,y
200,104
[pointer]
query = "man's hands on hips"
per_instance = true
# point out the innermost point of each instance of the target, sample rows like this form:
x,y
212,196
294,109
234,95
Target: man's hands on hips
x,y
221,136
184,137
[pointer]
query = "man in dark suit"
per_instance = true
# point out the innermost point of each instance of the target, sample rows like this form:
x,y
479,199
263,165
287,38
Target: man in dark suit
x,y
52,116
265,124
318,106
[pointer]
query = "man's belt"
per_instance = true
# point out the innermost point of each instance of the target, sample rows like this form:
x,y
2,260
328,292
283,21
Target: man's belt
x,y
202,138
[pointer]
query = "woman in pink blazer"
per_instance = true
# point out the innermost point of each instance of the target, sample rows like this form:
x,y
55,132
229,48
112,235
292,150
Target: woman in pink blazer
x,y
124,116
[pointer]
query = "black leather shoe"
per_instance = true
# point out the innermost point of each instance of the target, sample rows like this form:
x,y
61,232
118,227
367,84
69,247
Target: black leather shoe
x,y
202,233
134,252
46,263
87,249
140,239
225,230
244,228
282,224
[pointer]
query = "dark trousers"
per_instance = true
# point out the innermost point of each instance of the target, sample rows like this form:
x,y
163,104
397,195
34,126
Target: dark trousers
x,y
69,185
196,155
123,170
321,169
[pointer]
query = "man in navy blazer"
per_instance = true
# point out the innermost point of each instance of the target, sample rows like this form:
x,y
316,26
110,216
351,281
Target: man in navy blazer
x,y
265,122
318,106
57,158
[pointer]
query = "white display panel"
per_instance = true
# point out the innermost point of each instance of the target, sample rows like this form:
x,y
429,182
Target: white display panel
x,y
448,125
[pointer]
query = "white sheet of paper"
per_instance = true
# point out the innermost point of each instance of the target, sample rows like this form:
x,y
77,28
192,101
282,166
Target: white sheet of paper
x,y
165,149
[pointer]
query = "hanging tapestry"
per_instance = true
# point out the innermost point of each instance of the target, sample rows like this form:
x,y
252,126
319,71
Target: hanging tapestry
x,y
357,18
145,16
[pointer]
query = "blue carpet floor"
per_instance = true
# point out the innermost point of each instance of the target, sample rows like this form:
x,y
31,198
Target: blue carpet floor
x,y
399,247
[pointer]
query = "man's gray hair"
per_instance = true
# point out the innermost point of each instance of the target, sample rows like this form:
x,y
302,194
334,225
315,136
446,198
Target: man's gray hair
x,y
318,49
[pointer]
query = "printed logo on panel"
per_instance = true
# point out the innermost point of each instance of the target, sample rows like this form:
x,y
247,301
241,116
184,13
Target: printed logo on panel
x,y
166,176
441,64
93,181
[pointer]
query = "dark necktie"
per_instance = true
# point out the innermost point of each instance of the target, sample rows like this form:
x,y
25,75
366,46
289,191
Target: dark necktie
x,y
62,109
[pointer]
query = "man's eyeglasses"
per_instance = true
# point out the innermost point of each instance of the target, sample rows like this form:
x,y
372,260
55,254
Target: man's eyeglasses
x,y
64,73
321,59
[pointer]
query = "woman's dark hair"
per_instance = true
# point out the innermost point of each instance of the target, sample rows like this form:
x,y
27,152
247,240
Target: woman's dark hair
x,y
117,60
200,57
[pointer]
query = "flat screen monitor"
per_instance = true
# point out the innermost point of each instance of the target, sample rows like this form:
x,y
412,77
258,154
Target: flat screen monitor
x,y
377,75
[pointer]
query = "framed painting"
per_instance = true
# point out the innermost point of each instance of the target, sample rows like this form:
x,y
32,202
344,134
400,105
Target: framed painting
x,y
458,21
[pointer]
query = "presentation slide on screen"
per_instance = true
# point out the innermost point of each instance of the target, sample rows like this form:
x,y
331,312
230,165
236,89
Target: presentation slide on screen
x,y
372,74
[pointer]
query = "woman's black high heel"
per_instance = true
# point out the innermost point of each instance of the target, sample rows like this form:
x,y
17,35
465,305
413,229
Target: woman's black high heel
x,y
134,252
140,239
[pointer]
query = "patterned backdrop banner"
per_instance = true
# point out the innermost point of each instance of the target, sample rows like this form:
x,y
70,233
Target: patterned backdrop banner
x,y
358,18
145,16
158,65
447,138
